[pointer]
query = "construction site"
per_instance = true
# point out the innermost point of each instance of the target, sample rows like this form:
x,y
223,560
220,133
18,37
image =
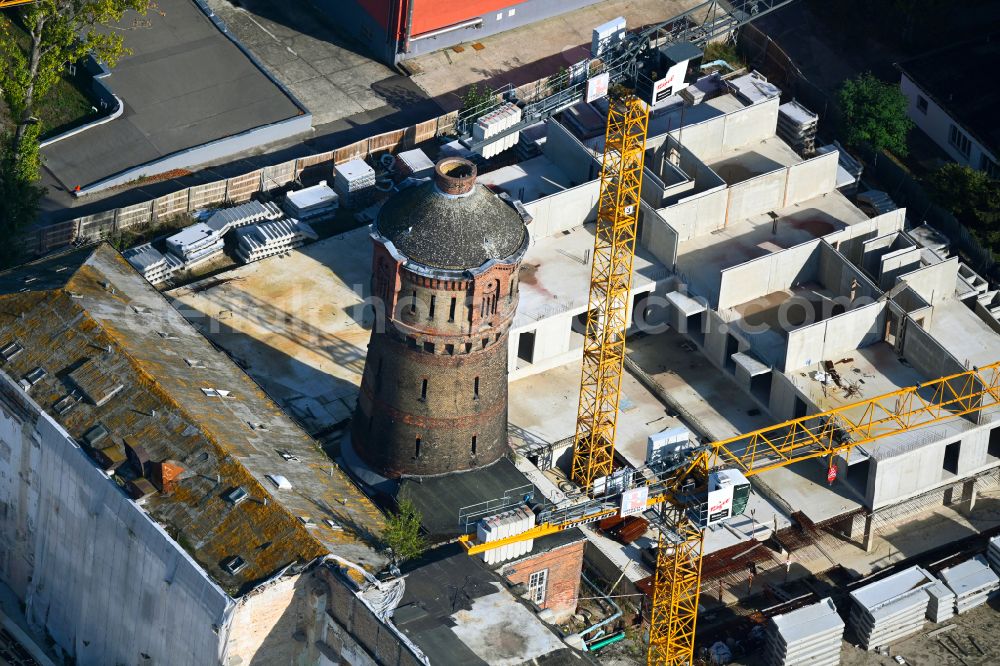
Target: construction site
x,y
656,385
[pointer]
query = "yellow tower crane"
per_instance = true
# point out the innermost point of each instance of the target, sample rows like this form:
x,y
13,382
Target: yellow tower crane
x,y
610,284
679,493
4,4
677,582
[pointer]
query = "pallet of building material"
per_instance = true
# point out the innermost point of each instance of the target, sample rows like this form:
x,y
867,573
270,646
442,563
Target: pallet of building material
x,y
972,581
354,181
414,163
892,608
809,635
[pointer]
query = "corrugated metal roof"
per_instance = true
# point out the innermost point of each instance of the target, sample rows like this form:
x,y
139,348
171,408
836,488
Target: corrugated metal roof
x,y
91,322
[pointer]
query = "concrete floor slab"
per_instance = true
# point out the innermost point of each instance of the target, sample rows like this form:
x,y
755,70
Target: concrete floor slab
x,y
743,163
545,406
528,180
532,52
555,274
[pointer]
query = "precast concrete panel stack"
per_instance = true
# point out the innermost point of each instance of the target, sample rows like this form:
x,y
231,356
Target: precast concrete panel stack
x,y
993,553
414,163
227,219
311,202
502,525
354,181
891,609
972,582
941,606
270,238
810,635
494,123
797,127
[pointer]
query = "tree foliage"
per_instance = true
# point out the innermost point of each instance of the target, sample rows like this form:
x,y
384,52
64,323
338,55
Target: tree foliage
x,y
972,197
402,532
874,112
60,32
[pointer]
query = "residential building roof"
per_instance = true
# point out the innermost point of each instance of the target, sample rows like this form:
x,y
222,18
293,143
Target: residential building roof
x,y
126,372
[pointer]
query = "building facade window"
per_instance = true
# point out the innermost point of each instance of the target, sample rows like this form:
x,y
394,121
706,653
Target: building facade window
x,y
959,141
922,104
537,583
989,166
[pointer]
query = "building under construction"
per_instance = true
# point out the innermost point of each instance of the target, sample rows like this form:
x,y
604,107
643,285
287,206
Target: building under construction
x,y
770,377
760,293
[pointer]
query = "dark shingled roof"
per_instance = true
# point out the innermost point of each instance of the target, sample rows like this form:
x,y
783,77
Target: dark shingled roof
x,y
449,232
98,328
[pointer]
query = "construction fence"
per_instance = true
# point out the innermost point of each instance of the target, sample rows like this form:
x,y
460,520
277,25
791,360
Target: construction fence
x,y
231,191
766,56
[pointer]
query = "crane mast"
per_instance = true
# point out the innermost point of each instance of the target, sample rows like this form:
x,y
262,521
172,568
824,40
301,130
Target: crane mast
x,y
610,284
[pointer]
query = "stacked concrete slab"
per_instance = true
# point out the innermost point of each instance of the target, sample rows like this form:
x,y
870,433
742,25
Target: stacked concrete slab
x,y
941,605
797,127
993,553
227,219
972,581
354,181
311,202
891,609
153,264
508,523
810,635
196,244
274,237
414,163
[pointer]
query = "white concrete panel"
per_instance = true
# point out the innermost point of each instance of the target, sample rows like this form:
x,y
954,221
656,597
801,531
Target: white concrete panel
x,y
926,354
934,283
567,153
758,195
658,237
697,216
811,178
749,125
835,337
704,139
894,264
564,210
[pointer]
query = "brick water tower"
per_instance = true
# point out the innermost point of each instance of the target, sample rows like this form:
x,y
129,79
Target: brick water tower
x,y
434,391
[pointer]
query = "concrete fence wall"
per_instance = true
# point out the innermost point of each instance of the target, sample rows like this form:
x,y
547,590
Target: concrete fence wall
x,y
235,190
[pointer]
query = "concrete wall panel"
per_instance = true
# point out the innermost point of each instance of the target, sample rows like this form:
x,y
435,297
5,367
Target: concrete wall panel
x,y
564,210
699,215
936,282
748,125
811,178
566,152
758,195
658,237
832,338
768,274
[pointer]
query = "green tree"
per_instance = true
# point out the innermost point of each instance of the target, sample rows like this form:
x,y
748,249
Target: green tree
x,y
402,532
874,112
972,197
60,32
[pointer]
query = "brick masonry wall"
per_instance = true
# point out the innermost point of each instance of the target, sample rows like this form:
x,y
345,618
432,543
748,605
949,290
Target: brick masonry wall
x,y
563,585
